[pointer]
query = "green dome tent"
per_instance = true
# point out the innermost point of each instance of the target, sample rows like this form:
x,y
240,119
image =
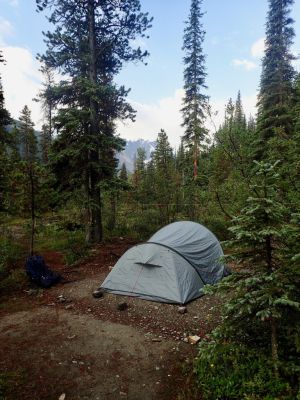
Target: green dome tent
x,y
171,267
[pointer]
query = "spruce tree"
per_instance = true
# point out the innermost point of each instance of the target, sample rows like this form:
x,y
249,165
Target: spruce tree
x,y
4,142
89,45
274,102
164,174
195,100
123,173
255,351
239,115
46,139
29,155
46,98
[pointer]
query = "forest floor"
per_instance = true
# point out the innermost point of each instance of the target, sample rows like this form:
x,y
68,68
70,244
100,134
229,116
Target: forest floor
x,y
79,347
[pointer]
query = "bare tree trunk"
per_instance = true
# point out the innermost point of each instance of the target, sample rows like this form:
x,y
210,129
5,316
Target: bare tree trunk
x,y
274,345
95,220
112,218
32,206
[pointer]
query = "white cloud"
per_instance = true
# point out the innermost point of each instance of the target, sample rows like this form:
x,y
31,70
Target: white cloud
x,y
139,43
21,81
296,62
249,65
13,3
258,48
6,29
165,114
218,107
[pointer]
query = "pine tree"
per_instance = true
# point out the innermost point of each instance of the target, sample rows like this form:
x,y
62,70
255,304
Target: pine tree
x,y
255,348
274,103
163,154
27,136
139,167
195,101
163,162
45,143
123,173
29,154
4,142
46,98
90,45
239,115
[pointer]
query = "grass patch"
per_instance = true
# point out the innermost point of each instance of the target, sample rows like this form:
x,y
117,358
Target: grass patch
x,y
11,276
57,237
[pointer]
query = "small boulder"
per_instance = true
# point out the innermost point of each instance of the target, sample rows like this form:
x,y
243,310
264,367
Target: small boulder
x,y
61,299
182,310
194,339
122,306
97,294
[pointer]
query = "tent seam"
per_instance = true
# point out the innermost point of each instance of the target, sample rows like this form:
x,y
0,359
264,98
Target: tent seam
x,y
177,252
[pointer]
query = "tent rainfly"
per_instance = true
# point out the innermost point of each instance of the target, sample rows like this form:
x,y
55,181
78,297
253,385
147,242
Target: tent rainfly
x,y
171,267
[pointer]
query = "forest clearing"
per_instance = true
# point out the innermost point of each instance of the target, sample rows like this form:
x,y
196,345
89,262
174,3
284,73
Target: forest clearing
x,y
149,239
86,348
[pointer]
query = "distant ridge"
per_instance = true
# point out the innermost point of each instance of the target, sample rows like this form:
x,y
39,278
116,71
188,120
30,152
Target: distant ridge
x,y
128,154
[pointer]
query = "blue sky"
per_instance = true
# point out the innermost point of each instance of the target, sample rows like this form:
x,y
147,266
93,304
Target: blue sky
x,y
233,46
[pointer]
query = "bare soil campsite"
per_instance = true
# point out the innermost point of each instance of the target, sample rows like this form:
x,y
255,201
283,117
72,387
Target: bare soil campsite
x,y
64,343
149,200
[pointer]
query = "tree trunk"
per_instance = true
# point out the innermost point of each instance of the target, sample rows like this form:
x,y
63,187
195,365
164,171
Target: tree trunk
x,y
274,345
32,206
95,217
112,217
195,158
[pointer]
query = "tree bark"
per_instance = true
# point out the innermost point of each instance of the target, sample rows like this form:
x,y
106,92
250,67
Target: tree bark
x,y
32,206
95,217
274,345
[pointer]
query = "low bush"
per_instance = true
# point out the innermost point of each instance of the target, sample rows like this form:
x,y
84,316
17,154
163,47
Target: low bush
x,y
234,371
75,248
10,253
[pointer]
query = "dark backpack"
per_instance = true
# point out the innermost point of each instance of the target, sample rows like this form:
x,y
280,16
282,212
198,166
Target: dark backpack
x,y
39,273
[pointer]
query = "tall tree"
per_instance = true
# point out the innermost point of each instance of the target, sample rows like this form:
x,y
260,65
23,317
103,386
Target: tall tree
x,y
239,115
46,98
123,175
29,154
91,42
4,141
195,101
164,175
276,85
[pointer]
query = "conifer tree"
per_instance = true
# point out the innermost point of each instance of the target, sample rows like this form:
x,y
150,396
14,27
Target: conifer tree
x,y
164,174
46,139
139,167
255,348
4,142
163,154
274,102
195,100
90,43
27,136
29,154
123,173
239,115
46,98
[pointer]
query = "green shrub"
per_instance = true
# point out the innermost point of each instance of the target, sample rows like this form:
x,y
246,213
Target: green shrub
x,y
75,248
10,253
229,371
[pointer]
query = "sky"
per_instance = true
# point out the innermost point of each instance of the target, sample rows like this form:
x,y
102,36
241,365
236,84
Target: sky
x,y
234,45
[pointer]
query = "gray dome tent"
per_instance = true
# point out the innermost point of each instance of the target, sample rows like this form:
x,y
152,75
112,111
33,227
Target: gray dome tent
x,y
171,267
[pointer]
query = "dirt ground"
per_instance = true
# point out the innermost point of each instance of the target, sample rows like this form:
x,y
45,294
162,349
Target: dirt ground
x,y
62,343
